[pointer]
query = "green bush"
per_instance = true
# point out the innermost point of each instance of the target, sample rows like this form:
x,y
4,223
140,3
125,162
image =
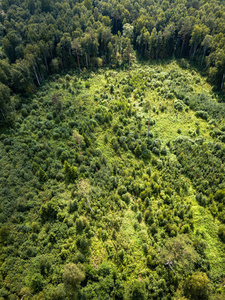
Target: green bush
x,y
197,286
221,232
138,151
178,105
73,274
126,198
36,282
71,172
146,154
24,112
49,209
202,114
121,190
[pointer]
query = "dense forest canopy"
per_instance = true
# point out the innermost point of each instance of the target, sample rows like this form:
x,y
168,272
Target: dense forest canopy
x,y
39,38
112,150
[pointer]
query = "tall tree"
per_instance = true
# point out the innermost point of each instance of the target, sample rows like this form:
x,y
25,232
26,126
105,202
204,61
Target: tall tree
x,y
198,34
4,100
9,43
32,53
76,45
206,44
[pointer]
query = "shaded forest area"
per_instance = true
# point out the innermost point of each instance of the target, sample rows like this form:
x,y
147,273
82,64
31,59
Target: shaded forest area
x,y
39,38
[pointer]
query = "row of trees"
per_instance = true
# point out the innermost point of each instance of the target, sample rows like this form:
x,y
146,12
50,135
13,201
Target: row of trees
x,y
40,38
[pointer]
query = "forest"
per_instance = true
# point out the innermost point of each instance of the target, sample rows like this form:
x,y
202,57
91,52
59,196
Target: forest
x,y
112,150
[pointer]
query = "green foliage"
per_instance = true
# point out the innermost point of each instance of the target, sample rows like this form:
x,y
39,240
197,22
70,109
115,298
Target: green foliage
x,y
132,218
122,190
49,210
138,151
42,175
136,290
71,172
179,253
202,114
197,286
73,274
221,233
36,282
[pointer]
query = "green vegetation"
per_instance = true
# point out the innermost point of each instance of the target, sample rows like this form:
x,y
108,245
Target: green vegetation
x,y
40,38
114,193
112,150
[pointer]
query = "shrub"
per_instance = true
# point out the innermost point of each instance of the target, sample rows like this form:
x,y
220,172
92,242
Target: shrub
x,y
145,248
122,190
197,286
202,114
138,151
24,112
156,151
35,227
136,290
73,274
139,217
221,233
49,209
59,176
146,154
37,282
87,85
70,171
67,77
126,198
178,105
42,175
73,206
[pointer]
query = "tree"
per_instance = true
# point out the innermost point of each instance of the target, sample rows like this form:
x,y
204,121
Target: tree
x,y
32,53
136,290
77,47
21,76
9,43
197,286
198,34
4,100
80,141
70,171
84,189
5,72
206,44
169,40
89,45
153,43
179,254
185,32
217,70
73,274
128,30
45,53
143,40
127,33
64,49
